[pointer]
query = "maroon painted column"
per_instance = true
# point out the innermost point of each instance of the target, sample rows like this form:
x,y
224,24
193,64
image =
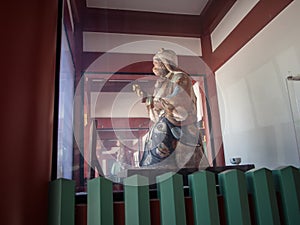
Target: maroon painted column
x,y
28,54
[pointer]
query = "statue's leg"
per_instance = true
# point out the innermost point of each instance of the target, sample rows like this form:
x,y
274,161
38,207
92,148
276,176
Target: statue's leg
x,y
190,151
159,146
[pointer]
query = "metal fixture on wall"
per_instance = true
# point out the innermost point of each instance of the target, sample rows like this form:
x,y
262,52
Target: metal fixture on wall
x,y
294,101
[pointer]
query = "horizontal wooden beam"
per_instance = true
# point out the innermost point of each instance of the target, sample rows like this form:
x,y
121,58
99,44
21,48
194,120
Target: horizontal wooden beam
x,y
98,62
113,85
124,21
120,135
107,123
106,62
213,13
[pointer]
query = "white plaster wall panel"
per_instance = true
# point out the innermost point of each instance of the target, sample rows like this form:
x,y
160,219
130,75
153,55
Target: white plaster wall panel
x,y
117,105
233,17
268,102
257,75
139,44
239,105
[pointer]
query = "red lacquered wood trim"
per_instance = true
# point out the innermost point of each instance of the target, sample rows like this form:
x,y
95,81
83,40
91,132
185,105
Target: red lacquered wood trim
x,y
106,123
261,14
213,13
134,22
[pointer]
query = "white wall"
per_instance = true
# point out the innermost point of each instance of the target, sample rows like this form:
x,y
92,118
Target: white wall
x,y
139,44
253,99
117,105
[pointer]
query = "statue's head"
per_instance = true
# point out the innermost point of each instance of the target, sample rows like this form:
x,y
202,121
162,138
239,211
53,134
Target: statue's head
x,y
167,57
164,61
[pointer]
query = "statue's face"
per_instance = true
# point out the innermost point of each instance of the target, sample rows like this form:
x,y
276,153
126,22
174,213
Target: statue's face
x,y
159,68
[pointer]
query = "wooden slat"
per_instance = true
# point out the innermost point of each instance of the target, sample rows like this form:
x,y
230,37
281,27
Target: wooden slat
x,y
261,186
203,191
137,201
61,202
234,190
119,212
171,196
81,214
287,183
100,202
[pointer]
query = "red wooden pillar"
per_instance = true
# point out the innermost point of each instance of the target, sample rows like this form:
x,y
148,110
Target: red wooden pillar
x,y
28,48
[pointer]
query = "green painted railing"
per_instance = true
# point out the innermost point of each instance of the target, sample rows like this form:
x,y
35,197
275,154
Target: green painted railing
x,y
61,202
260,196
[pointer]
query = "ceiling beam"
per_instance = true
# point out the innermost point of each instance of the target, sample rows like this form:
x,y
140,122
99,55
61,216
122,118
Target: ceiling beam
x,y
112,85
134,22
140,63
120,135
213,13
116,123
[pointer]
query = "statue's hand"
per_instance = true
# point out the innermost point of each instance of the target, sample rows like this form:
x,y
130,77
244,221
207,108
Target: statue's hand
x,y
166,104
137,89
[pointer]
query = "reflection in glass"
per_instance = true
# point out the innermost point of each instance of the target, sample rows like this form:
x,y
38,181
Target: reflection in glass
x,y
65,118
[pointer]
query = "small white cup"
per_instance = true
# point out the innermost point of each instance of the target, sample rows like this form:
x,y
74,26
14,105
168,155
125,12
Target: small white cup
x,y
236,160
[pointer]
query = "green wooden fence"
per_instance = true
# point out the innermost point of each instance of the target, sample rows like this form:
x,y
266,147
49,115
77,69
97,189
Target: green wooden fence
x,y
259,196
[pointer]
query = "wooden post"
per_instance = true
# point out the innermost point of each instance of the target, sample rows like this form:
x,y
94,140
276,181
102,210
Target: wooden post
x,y
171,196
233,188
261,186
205,204
287,183
137,201
61,202
100,202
